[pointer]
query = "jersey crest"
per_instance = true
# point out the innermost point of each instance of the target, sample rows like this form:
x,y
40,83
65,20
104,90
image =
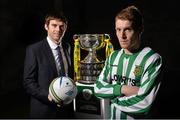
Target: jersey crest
x,y
137,71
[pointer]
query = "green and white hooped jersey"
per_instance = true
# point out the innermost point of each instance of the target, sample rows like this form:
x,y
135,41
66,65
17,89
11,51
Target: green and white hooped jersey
x,y
140,69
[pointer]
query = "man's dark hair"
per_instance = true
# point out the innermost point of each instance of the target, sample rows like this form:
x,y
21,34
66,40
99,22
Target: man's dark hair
x,y
54,14
132,14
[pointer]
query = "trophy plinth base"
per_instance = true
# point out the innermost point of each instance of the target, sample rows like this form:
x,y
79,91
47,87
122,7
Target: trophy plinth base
x,y
88,106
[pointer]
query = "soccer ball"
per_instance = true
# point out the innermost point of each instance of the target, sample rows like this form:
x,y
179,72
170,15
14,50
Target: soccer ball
x,y
63,89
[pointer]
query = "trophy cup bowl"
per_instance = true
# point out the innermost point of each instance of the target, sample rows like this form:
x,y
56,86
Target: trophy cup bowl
x,y
91,67
91,43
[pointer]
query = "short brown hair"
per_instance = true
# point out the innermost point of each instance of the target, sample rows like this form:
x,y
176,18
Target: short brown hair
x,y
132,14
55,15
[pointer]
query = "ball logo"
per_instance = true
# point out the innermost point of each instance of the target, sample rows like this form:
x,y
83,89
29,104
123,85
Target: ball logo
x,y
69,92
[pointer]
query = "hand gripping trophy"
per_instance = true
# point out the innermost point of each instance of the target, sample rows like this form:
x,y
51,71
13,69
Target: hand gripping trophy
x,y
87,70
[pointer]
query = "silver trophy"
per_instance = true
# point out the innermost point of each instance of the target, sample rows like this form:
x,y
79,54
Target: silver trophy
x,y
91,67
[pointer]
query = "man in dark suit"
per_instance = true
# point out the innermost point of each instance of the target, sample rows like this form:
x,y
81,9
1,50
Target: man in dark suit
x,y
41,67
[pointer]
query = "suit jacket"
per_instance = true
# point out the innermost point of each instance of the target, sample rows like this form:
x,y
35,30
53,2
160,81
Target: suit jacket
x,y
39,71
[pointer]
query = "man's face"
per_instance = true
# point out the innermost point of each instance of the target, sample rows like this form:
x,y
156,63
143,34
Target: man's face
x,y
55,30
128,38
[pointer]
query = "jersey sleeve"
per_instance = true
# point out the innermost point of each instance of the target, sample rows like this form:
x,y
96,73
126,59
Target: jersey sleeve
x,y
141,102
103,88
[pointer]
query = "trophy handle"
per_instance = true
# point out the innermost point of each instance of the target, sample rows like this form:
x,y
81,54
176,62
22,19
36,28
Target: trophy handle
x,y
76,36
109,46
102,37
107,36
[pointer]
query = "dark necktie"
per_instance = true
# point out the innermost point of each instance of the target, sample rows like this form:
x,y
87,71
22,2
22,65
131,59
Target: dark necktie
x,y
60,62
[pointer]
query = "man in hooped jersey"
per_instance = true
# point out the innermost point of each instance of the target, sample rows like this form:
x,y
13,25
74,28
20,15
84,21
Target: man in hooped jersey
x,y
130,75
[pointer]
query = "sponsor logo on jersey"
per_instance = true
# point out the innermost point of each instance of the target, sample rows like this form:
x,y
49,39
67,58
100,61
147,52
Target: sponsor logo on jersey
x,y
123,80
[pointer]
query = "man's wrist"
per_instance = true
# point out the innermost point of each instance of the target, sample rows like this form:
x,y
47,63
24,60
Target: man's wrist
x,y
117,90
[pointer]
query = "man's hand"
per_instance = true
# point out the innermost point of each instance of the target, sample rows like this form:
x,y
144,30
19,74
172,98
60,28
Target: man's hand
x,y
51,100
129,90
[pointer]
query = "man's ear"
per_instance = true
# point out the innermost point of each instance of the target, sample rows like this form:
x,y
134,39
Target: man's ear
x,y
65,27
46,27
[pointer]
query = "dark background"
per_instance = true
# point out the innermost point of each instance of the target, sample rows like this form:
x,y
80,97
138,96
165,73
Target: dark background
x,y
22,23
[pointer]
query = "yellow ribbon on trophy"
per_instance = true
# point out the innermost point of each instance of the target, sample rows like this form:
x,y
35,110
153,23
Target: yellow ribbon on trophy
x,y
109,47
76,59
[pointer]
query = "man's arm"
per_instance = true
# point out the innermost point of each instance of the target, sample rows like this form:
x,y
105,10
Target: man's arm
x,y
129,90
30,82
103,88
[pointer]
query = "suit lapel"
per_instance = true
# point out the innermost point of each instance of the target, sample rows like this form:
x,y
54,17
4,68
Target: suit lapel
x,y
47,50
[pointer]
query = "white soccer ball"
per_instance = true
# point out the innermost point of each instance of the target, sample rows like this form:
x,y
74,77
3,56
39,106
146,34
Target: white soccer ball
x,y
63,89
